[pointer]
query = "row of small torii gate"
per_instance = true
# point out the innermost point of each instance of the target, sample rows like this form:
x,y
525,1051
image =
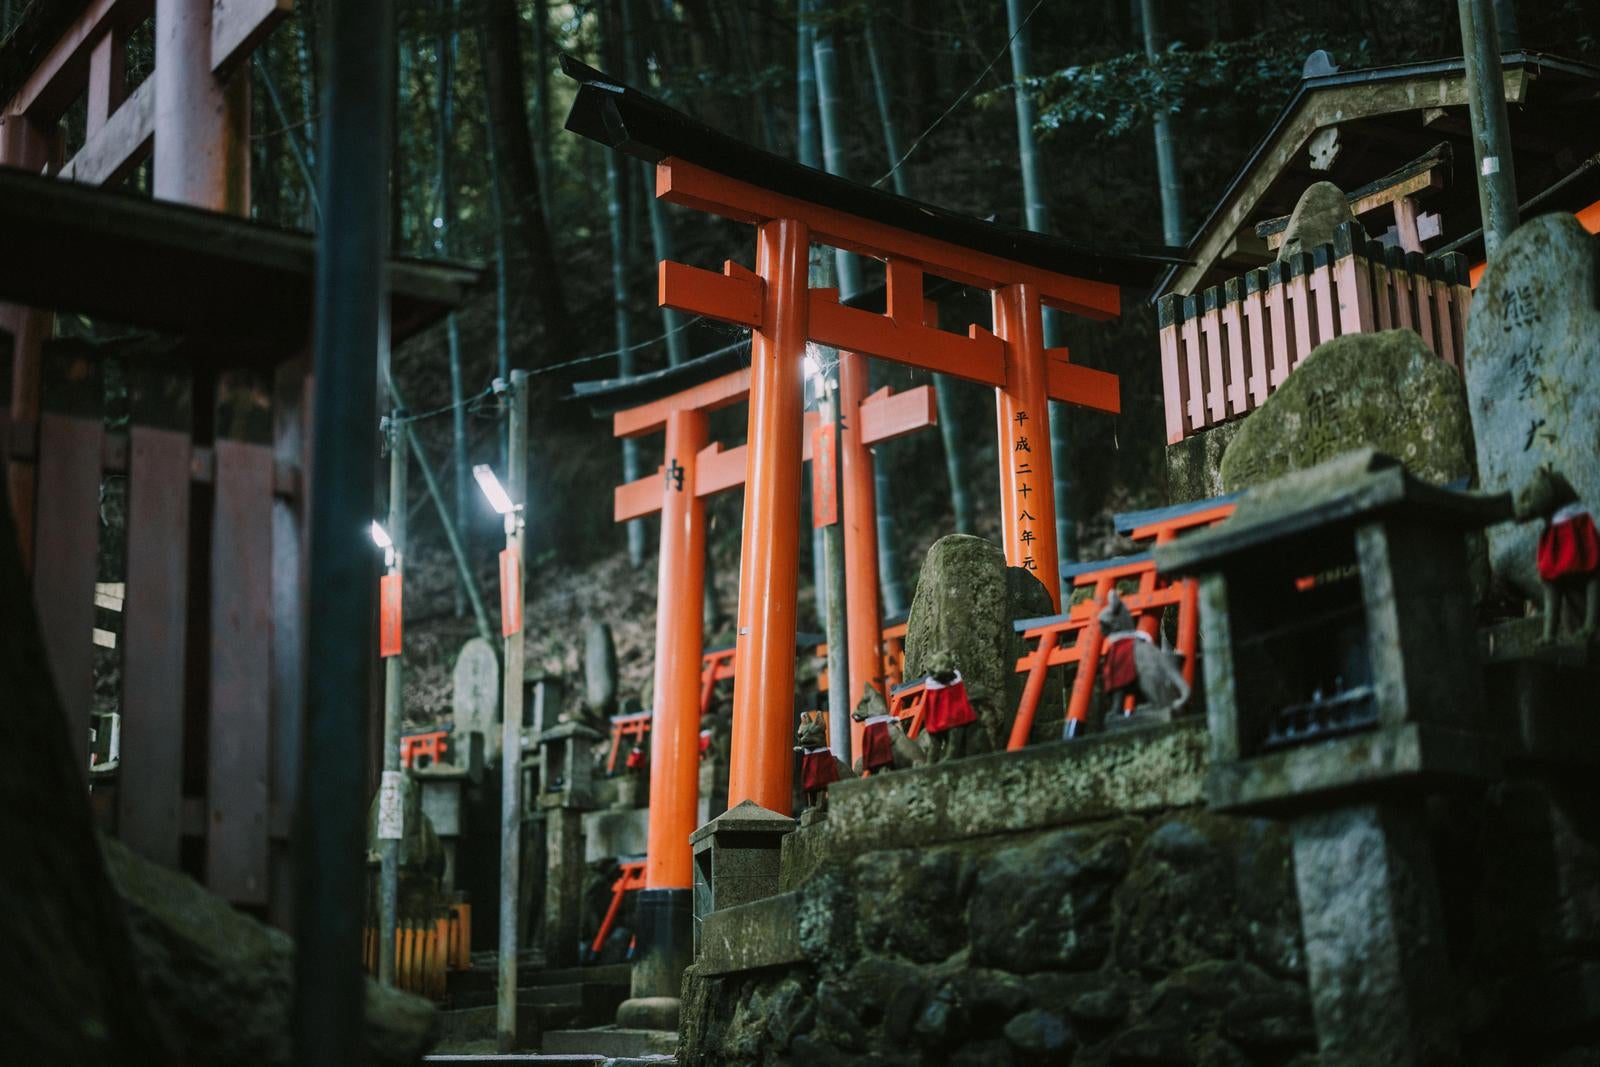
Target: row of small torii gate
x,y
792,208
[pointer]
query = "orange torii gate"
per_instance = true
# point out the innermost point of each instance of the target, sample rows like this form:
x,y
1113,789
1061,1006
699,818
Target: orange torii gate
x,y
694,469
792,207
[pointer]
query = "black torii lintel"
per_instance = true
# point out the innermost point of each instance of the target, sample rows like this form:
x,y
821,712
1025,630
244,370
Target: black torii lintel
x,y
622,118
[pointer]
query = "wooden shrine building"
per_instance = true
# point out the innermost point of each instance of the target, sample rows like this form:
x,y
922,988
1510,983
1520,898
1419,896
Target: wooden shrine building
x,y
1235,321
191,389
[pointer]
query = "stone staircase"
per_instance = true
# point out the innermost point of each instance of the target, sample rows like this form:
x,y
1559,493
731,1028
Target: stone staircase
x,y
550,1001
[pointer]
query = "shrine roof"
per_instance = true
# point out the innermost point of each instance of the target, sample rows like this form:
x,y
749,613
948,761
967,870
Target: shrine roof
x,y
1385,117
619,117
176,269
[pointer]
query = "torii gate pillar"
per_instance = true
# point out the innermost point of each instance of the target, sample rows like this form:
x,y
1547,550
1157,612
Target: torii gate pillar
x,y
769,560
1022,410
665,905
865,624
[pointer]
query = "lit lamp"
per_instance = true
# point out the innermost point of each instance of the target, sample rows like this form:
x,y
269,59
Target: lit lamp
x,y
381,538
497,496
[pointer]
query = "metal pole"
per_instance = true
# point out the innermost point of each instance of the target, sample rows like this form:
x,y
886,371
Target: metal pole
x,y
511,727
349,331
839,694
1491,131
392,792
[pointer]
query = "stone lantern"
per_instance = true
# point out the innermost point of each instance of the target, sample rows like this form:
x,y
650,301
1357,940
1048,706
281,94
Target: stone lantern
x,y
1342,678
1339,634
566,751
736,859
567,754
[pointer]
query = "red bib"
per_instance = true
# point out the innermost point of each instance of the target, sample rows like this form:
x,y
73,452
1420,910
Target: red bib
x,y
1117,667
945,706
1569,547
817,769
876,748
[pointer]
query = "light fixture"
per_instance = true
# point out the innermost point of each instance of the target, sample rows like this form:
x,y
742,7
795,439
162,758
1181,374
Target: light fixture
x,y
380,536
813,366
499,499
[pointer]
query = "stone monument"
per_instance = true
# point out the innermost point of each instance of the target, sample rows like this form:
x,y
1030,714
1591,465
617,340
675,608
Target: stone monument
x,y
1532,361
476,702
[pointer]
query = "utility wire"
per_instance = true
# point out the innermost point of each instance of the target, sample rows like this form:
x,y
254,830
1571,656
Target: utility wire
x,y
960,99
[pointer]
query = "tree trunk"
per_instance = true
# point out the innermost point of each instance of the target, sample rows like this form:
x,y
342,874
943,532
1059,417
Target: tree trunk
x,y
1166,149
527,235
1037,216
502,293
950,435
541,102
447,220
830,109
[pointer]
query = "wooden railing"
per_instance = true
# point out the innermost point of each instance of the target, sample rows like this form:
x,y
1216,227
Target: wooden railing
x,y
1225,350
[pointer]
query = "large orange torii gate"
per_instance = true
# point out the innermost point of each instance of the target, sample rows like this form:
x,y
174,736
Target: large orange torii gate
x,y
792,207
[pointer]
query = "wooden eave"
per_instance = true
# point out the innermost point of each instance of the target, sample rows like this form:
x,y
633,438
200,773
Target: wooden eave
x,y
239,285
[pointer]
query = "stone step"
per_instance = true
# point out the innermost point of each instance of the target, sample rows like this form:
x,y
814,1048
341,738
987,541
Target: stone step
x,y
470,1059
464,1026
593,1004
610,1041
484,975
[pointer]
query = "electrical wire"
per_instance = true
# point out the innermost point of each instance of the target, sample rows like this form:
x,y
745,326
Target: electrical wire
x,y
960,99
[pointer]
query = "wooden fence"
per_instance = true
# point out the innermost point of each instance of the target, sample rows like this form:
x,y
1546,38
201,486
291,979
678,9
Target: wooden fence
x,y
199,513
1224,351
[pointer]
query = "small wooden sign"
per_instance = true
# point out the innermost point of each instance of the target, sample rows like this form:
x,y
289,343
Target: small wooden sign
x,y
389,615
824,476
510,592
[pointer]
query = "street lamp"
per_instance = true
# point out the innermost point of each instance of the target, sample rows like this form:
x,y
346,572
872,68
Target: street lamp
x,y
496,493
381,538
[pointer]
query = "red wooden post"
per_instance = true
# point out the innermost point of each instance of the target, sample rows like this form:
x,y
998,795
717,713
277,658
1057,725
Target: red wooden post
x,y
1027,489
763,696
860,534
675,735
202,150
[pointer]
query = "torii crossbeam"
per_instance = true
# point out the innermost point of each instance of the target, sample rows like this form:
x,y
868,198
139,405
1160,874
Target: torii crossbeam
x,y
791,207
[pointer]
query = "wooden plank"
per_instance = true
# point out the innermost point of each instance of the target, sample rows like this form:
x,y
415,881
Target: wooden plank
x,y
1233,341
886,415
1278,333
155,643
719,471
1171,384
1382,290
1446,347
718,393
67,530
731,296
113,151
638,498
679,182
1195,391
107,72
1322,296
1422,295
238,26
1085,387
1216,368
291,408
978,357
1400,283
1352,280
1255,327
58,79
239,733
1301,317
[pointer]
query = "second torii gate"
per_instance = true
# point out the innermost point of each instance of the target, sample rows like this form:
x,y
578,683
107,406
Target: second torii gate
x,y
792,206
